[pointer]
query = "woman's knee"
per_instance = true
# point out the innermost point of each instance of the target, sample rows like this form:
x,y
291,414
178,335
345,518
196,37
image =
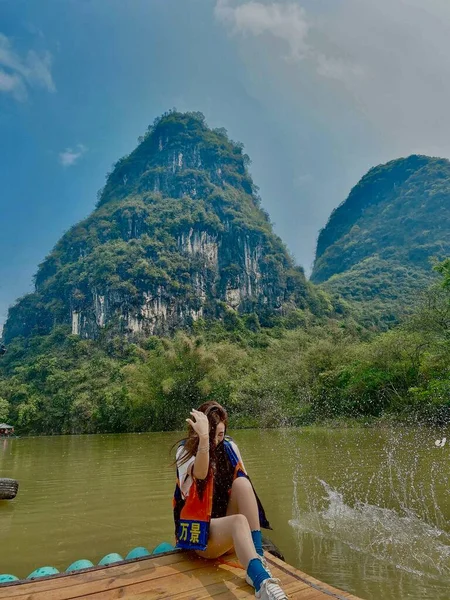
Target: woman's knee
x,y
239,522
242,485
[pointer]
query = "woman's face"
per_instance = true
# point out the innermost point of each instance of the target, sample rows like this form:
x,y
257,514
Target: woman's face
x,y
220,433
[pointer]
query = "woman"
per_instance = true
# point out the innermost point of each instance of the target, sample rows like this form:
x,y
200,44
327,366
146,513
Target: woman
x,y
215,506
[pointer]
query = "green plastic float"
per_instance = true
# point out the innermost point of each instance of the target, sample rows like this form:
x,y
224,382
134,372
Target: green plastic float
x,y
163,547
109,559
84,563
138,552
5,578
43,572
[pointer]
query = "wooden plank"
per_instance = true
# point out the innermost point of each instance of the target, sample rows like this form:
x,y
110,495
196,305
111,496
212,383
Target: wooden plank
x,y
163,581
296,590
181,576
80,590
215,590
305,593
327,590
127,570
99,572
248,592
241,590
236,589
193,581
152,578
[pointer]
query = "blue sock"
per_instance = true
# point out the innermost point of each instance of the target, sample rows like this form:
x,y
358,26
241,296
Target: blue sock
x,y
257,573
257,540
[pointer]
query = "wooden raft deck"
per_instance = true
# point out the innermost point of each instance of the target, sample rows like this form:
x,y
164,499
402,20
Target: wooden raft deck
x,y
178,575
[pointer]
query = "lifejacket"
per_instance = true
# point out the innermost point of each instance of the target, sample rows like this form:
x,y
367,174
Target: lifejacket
x,y
192,515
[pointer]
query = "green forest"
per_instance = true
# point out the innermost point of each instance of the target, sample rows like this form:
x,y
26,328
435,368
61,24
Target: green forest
x,y
290,374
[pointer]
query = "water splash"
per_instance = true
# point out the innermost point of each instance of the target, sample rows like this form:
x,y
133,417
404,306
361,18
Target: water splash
x,y
399,537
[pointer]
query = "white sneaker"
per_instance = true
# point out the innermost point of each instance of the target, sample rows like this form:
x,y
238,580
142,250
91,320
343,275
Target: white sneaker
x,y
270,590
265,565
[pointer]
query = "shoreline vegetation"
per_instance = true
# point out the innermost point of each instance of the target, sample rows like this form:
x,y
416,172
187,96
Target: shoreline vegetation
x,y
322,372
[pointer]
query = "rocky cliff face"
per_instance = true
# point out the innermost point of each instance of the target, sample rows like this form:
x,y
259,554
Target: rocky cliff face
x,y
378,245
177,235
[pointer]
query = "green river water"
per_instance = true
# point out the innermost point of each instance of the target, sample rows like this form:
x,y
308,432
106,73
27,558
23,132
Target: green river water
x,y
365,510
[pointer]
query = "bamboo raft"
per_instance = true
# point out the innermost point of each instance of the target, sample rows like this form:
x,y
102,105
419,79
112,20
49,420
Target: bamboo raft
x,y
178,575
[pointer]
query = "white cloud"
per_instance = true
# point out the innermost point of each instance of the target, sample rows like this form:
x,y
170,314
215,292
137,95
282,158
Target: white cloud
x,y
40,70
18,74
289,23
284,21
70,156
382,64
10,83
336,68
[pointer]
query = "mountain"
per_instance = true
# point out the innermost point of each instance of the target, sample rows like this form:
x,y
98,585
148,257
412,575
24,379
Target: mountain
x,y
378,245
178,235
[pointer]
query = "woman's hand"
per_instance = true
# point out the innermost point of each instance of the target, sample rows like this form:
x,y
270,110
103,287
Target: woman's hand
x,y
199,423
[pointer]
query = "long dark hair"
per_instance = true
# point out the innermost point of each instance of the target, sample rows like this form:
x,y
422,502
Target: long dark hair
x,y
216,414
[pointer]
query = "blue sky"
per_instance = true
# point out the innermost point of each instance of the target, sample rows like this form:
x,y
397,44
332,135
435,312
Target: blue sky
x,y
317,90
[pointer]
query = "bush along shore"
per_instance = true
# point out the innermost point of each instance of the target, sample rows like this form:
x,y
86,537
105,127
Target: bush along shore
x,y
290,374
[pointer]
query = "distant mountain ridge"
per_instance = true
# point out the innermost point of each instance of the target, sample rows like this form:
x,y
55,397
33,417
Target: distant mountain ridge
x,y
378,245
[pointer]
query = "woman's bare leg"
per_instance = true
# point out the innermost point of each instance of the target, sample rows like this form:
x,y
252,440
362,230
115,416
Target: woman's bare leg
x,y
226,532
243,501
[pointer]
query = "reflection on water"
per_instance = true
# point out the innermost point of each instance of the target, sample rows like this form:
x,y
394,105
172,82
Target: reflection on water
x,y
365,510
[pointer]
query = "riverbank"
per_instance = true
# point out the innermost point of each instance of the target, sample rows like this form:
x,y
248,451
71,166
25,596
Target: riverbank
x,y
299,378
322,372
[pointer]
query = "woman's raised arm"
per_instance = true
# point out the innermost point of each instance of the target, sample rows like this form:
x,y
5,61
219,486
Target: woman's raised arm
x,y
200,425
